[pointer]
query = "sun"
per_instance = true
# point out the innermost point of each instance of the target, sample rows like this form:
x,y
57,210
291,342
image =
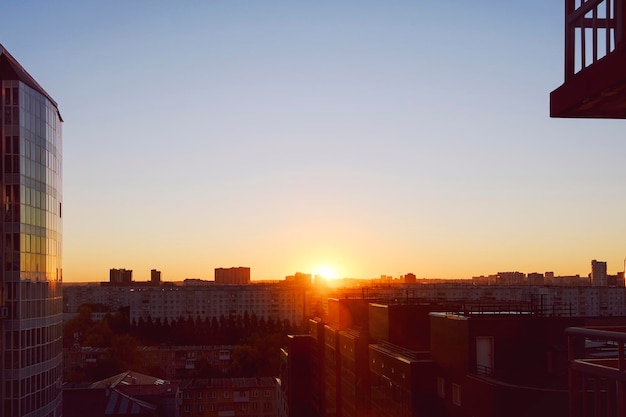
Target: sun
x,y
327,272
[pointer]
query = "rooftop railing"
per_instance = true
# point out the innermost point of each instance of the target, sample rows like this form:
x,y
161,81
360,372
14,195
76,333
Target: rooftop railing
x,y
597,382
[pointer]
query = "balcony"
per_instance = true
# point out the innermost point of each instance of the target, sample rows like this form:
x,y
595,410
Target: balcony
x,y
595,61
597,371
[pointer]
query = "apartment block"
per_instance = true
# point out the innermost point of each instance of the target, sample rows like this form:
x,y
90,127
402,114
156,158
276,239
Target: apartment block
x,y
276,301
233,397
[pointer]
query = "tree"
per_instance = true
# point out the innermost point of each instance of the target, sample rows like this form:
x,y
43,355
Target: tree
x,y
75,329
124,351
245,360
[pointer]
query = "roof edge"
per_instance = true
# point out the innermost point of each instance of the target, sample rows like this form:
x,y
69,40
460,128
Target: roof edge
x,y
25,77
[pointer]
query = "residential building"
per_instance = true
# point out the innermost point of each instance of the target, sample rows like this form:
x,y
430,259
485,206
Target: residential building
x,y
491,365
598,274
234,397
31,227
232,276
168,362
410,278
535,278
296,378
596,371
277,301
120,276
126,394
155,277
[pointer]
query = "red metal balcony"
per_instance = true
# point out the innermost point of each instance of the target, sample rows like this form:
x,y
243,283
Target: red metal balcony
x,y
595,61
597,372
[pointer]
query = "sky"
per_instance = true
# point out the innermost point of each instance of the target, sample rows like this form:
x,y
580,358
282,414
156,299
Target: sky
x,y
365,137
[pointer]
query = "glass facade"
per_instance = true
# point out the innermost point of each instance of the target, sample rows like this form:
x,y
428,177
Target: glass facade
x,y
31,273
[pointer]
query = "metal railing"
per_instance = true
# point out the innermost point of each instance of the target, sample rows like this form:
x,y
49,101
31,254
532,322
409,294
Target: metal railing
x,y
597,386
593,29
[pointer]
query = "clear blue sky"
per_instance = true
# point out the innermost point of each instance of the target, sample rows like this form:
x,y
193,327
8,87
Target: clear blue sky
x,y
373,137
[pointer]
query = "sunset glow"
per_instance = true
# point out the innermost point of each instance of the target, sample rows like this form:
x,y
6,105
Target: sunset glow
x,y
321,142
326,272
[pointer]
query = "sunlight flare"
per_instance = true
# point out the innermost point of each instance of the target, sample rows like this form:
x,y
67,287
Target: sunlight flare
x,y
327,272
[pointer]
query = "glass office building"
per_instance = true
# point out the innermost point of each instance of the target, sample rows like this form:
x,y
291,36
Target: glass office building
x,y
31,228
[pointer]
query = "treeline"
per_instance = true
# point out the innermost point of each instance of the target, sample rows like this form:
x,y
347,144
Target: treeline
x,y
256,342
232,330
241,329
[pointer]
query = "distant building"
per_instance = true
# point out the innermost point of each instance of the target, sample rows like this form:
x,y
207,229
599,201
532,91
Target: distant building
x,y
410,278
484,280
300,278
232,276
598,274
155,277
510,278
120,276
535,278
278,301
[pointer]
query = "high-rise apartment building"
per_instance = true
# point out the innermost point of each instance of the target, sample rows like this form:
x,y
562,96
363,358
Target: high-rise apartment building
x,y
155,276
232,276
598,274
120,276
31,227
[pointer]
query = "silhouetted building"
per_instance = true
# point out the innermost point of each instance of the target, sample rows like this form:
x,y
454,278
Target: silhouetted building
x,y
402,382
296,378
31,227
410,279
510,278
346,326
317,387
354,374
535,278
232,276
120,276
598,274
300,278
155,277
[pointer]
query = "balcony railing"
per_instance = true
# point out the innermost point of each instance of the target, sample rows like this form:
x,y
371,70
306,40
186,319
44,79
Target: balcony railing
x,y
597,377
593,29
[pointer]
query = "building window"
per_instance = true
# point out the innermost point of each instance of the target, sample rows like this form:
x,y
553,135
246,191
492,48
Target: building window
x,y
441,387
456,394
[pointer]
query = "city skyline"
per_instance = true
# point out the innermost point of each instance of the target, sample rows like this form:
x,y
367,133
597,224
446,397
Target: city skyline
x,y
368,138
